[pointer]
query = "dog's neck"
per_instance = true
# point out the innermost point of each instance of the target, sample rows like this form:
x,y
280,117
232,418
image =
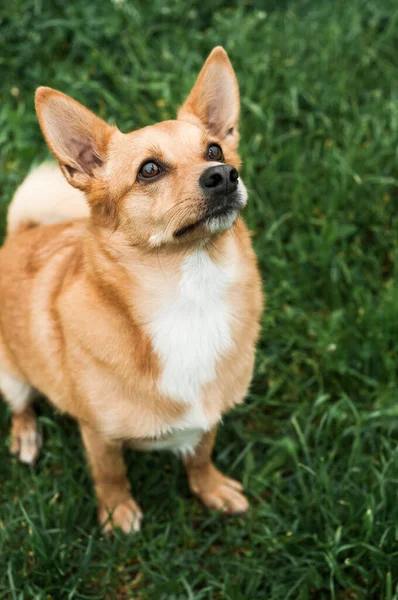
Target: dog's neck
x,y
119,265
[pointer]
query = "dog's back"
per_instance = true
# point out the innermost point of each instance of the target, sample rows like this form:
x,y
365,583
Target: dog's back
x,y
45,198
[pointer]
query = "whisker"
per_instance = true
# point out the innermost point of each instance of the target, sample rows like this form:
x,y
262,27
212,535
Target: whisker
x,y
214,247
235,233
160,266
175,206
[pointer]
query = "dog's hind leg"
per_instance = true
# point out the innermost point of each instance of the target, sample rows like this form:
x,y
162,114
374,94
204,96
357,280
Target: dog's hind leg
x,y
25,438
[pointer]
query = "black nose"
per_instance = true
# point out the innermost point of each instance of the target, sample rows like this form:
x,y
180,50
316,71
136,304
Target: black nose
x,y
220,180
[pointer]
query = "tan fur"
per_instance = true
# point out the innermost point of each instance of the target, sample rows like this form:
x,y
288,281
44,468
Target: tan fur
x,y
77,296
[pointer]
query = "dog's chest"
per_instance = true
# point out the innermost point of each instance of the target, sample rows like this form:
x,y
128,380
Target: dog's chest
x,y
190,332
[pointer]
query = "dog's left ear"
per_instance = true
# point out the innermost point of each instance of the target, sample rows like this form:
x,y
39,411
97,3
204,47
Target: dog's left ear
x,y
214,100
77,138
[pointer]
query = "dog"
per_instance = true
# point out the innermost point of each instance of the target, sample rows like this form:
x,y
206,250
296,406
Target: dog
x,y
130,292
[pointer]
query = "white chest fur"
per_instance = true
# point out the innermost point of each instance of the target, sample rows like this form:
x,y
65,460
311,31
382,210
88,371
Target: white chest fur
x,y
191,331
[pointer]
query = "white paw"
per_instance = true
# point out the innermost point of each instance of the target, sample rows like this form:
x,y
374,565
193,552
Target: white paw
x,y
26,444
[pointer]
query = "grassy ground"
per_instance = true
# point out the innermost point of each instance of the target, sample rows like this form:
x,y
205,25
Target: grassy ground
x,y
316,442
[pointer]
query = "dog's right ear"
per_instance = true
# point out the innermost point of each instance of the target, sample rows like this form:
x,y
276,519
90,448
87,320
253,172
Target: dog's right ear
x,y
77,138
214,100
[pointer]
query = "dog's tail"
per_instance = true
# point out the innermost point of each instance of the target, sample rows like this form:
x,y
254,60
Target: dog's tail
x,y
45,197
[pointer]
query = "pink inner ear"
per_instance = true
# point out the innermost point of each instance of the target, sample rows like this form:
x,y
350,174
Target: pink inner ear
x,y
219,114
84,154
218,100
88,159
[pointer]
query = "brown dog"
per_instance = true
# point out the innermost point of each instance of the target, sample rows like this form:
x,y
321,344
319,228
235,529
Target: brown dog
x,y
135,306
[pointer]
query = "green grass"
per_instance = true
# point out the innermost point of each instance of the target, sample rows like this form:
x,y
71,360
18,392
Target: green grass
x,y
316,441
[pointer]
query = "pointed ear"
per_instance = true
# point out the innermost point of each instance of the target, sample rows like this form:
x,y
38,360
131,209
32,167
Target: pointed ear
x,y
214,99
76,137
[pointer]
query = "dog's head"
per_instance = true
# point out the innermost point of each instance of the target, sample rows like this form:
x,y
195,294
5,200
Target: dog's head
x,y
173,182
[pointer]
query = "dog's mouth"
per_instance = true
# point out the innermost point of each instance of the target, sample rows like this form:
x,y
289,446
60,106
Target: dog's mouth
x,y
222,217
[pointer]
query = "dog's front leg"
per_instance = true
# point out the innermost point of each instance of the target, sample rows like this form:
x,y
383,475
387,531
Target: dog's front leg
x,y
116,507
213,488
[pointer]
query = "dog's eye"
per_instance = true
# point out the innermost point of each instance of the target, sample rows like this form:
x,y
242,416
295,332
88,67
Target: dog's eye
x,y
150,169
215,153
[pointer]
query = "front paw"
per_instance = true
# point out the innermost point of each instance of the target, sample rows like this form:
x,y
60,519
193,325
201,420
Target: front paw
x,y
126,516
217,491
26,439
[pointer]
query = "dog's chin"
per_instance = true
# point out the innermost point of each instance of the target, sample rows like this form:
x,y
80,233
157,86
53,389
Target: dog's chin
x,y
219,219
212,222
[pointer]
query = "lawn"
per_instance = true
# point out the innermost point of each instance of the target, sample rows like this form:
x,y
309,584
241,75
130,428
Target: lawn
x,y
316,441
